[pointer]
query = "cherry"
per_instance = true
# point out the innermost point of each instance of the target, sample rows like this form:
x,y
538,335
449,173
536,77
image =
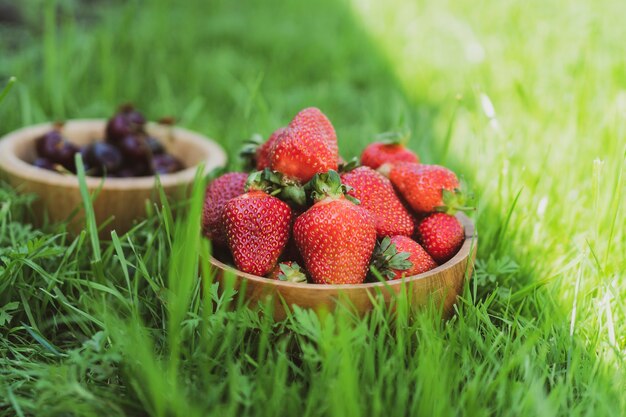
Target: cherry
x,y
44,164
102,156
156,148
55,148
166,164
134,147
125,122
47,144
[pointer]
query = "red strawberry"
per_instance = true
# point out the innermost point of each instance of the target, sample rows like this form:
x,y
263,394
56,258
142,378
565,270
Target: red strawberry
x,y
217,194
256,152
376,194
441,235
422,186
336,237
377,153
288,271
306,148
313,118
257,230
399,256
300,154
264,151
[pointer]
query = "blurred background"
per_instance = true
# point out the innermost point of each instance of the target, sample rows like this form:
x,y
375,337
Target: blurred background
x,y
525,100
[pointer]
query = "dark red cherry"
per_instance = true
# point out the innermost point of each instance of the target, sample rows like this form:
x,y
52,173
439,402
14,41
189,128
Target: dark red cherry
x,y
127,121
44,164
156,148
166,164
90,170
55,148
134,147
104,156
66,155
134,117
47,144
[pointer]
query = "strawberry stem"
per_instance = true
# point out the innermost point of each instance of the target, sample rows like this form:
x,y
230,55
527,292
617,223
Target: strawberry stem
x,y
276,184
327,185
291,273
349,165
457,200
258,181
386,259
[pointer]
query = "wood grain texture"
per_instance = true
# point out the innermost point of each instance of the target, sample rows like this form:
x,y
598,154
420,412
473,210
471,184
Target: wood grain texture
x,y
120,200
440,286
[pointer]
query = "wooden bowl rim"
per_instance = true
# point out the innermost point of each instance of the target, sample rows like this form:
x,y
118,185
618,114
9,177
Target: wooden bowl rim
x,y
214,156
464,252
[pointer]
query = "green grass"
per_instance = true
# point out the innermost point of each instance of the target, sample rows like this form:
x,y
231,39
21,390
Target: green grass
x,y
525,100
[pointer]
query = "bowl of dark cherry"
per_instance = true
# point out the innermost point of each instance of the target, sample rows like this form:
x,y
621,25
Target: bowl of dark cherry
x,y
122,157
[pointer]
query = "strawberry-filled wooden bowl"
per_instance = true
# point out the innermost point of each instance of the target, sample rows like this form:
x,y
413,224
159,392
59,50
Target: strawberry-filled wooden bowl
x,y
119,201
305,228
439,286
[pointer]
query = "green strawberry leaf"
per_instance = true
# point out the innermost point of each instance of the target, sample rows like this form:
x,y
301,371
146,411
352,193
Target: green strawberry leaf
x,y
275,184
393,138
460,199
295,194
387,260
327,184
291,273
350,165
353,199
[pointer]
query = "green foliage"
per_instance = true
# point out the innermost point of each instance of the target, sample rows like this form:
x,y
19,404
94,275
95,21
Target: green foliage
x,y
7,88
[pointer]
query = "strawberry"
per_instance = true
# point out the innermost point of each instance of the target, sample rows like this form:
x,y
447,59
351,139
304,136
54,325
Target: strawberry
x,y
377,153
256,153
376,194
442,235
257,228
288,271
264,151
218,192
422,186
399,256
313,118
335,236
305,148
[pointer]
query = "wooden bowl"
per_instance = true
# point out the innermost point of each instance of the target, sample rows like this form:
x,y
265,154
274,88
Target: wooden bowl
x,y
441,285
121,200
